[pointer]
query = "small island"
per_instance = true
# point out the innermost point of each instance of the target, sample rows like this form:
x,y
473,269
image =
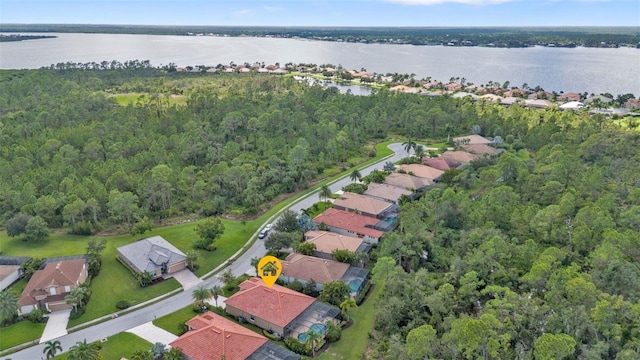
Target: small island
x,y
19,37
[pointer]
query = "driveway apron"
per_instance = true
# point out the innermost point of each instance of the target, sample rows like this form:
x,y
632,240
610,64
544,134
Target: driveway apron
x,y
56,325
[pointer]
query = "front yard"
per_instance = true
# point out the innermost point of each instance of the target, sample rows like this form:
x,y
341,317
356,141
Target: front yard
x,y
20,333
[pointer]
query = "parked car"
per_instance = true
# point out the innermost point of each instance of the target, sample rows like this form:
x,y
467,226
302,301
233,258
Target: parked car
x,y
268,227
262,234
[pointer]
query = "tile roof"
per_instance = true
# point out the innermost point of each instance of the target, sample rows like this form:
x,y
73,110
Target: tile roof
x,y
479,149
473,139
6,270
362,203
149,254
407,181
437,163
348,221
459,156
422,171
306,267
326,241
213,337
386,191
277,304
60,274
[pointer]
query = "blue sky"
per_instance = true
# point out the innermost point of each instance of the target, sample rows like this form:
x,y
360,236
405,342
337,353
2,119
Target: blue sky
x,y
326,12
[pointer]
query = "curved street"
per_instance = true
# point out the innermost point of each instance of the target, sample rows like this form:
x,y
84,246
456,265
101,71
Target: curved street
x,y
182,299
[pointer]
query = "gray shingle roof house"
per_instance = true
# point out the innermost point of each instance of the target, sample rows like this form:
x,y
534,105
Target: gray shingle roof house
x,y
155,255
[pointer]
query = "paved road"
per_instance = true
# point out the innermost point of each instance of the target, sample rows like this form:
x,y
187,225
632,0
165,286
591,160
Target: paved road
x,y
180,300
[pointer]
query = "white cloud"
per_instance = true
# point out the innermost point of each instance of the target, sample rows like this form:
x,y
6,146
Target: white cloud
x,y
436,2
243,13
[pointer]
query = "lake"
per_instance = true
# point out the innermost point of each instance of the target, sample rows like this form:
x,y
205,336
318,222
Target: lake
x,y
616,71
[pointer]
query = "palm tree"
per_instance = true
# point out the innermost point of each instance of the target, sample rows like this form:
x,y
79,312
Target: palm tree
x,y
142,355
325,193
51,348
215,292
173,354
346,305
200,295
77,297
192,256
389,166
408,145
312,339
419,152
448,128
83,351
355,175
8,305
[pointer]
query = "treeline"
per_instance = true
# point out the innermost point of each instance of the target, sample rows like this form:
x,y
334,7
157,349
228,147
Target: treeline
x,y
470,36
232,144
530,255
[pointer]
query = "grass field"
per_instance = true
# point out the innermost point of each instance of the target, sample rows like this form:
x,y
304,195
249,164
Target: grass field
x,y
172,321
118,346
20,333
354,340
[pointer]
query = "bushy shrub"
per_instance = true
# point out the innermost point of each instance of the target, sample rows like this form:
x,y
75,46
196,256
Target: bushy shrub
x,y
296,286
37,316
76,312
84,228
122,304
333,333
296,346
270,335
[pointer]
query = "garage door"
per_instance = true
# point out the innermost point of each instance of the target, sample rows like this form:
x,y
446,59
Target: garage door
x,y
59,306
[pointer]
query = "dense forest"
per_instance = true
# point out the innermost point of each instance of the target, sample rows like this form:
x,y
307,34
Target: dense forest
x,y
532,254
452,36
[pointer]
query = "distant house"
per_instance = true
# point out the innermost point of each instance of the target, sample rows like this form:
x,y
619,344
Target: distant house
x,y
347,223
303,268
471,140
511,100
387,192
365,205
154,255
439,163
633,104
571,105
462,157
11,269
515,92
422,171
48,286
326,242
212,336
282,311
480,149
453,87
538,104
491,97
409,182
603,99
569,97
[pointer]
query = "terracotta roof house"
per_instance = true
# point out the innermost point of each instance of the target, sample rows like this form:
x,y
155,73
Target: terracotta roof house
x,y
459,156
480,149
471,140
423,171
270,308
405,89
365,205
633,104
492,98
326,242
48,287
11,269
540,95
303,268
515,92
409,182
212,336
347,223
439,163
432,84
155,255
538,103
387,192
569,97
452,86
510,100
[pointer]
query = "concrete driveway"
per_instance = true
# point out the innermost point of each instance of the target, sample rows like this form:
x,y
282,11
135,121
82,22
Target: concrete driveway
x,y
186,278
152,333
56,325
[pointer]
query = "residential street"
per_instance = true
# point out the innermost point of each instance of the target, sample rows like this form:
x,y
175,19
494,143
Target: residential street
x,y
180,300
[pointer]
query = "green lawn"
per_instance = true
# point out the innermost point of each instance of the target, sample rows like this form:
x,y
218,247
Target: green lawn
x,y
322,206
118,346
172,321
353,342
20,333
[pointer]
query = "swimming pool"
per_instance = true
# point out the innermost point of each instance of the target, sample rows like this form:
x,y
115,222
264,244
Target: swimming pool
x,y
316,328
354,285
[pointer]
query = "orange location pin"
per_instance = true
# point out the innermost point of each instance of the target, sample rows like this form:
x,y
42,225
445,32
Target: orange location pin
x,y
269,268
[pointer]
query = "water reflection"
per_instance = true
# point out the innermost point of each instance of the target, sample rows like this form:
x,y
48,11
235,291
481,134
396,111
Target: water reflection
x,y
343,88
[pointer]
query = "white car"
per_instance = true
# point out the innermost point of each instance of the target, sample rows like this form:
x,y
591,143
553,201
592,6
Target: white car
x,y
268,227
262,234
